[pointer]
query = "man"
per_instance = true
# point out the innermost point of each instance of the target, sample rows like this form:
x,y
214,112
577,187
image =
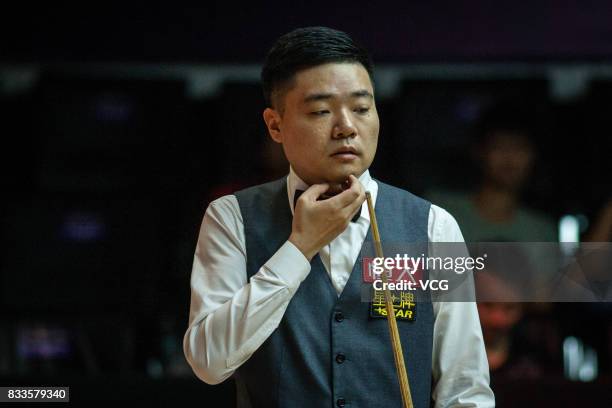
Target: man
x,y
276,276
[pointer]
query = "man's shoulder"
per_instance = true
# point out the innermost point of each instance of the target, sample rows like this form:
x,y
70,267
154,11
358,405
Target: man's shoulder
x,y
264,204
230,202
400,193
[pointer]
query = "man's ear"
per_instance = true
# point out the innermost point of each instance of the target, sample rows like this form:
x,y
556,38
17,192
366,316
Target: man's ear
x,y
273,121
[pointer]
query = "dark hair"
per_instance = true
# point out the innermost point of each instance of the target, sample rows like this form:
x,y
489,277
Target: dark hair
x,y
507,115
304,48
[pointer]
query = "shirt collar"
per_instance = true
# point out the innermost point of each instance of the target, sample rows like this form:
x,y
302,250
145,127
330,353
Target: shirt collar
x,y
294,182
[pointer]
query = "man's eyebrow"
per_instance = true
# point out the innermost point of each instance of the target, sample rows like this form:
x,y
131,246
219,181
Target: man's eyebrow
x,y
317,97
362,93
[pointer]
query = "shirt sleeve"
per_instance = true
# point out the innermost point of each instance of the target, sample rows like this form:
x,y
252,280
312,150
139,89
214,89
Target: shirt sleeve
x,y
459,361
229,318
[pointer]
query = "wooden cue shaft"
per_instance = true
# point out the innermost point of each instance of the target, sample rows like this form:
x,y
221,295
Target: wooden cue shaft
x,y
396,344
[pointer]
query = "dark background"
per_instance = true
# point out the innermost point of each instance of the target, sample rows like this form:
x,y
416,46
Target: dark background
x,y
232,32
120,123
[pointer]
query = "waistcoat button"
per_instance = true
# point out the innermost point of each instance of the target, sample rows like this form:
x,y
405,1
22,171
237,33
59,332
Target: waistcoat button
x,y
340,402
339,316
340,358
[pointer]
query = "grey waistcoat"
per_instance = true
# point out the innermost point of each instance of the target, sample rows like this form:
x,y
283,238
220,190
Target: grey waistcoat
x,y
299,364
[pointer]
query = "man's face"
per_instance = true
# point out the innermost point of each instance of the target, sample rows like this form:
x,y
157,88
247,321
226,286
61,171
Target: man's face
x,y
329,124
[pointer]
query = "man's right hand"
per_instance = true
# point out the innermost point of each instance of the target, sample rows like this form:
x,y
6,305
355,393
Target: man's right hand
x,y
317,222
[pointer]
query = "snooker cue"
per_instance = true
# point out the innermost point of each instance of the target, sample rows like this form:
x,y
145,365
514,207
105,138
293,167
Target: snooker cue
x,y
396,344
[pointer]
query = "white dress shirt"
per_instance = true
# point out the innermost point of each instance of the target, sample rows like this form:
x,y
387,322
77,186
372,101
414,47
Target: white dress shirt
x,y
229,318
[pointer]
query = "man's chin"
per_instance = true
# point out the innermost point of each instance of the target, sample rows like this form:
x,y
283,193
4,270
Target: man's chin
x,y
335,188
340,183
336,179
343,174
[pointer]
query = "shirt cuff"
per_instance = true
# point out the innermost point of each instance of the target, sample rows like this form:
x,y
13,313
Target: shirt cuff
x,y
289,265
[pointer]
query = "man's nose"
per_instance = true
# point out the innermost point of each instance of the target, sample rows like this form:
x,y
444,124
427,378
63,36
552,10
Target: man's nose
x,y
344,126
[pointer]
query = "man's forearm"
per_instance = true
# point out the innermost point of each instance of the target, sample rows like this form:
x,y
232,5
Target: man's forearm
x,y
217,342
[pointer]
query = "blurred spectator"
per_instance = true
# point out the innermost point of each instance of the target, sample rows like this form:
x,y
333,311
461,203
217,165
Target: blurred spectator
x,y
505,155
514,349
